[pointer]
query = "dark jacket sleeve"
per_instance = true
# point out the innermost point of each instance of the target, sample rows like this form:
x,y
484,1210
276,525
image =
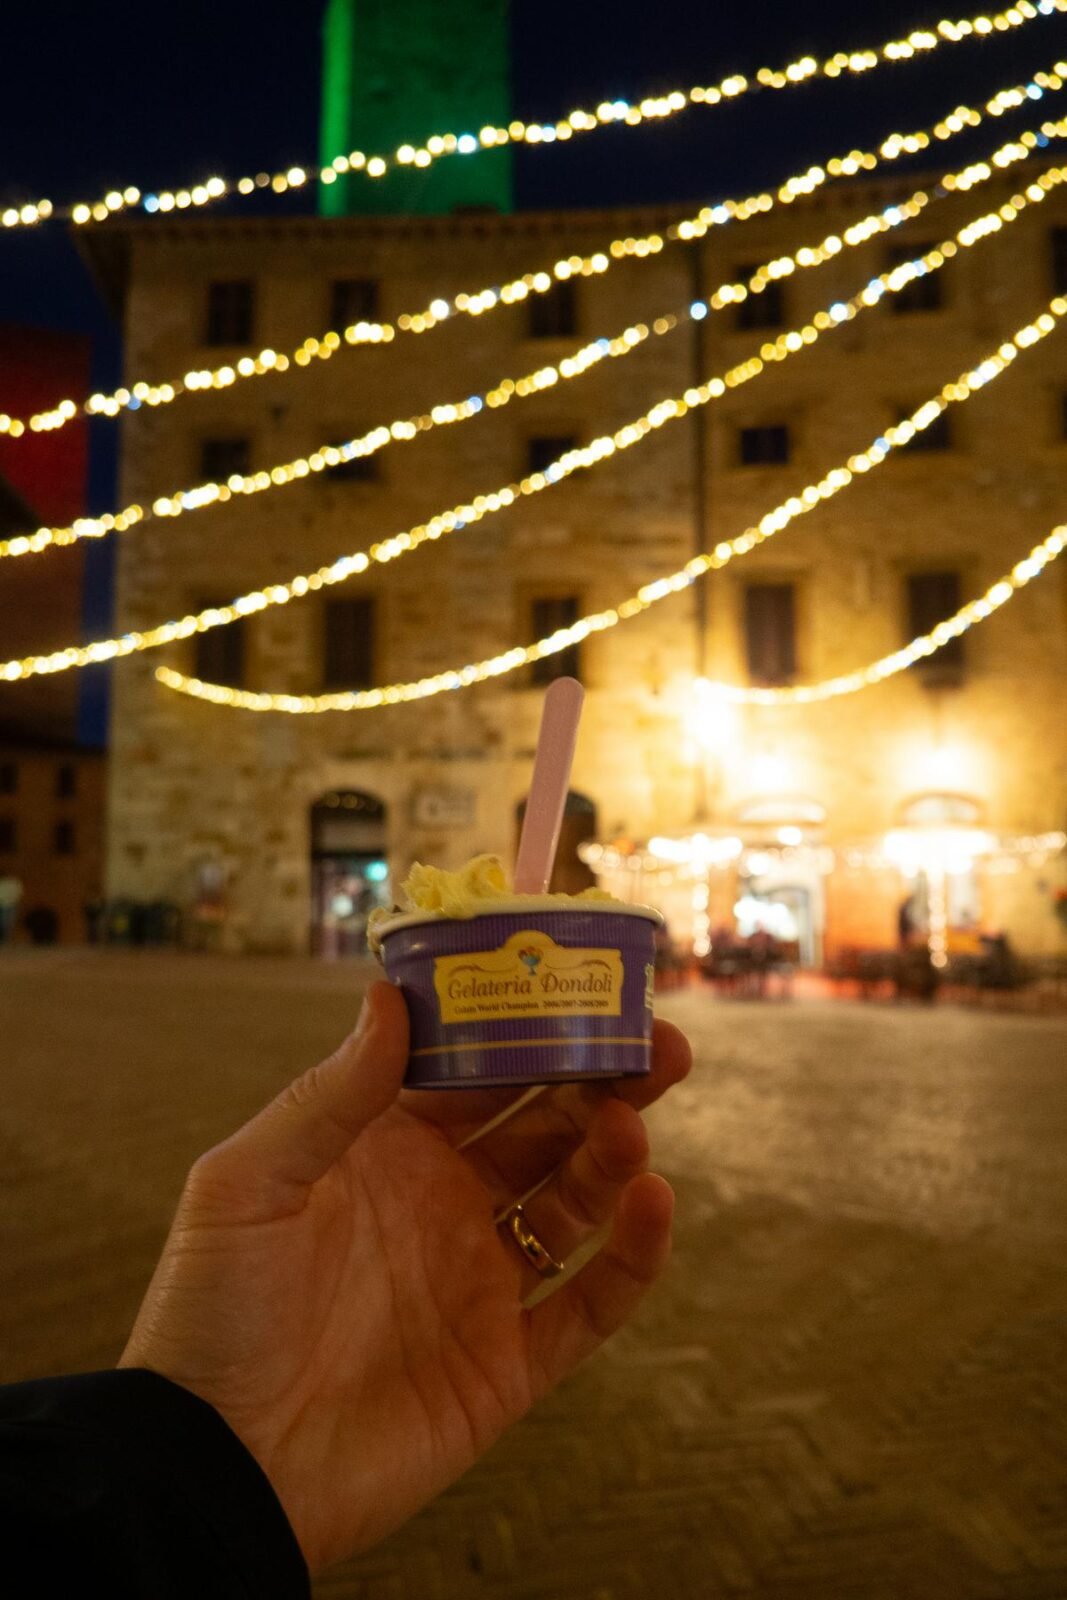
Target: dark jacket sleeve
x,y
125,1485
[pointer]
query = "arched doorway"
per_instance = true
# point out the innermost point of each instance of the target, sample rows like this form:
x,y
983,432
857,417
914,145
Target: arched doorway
x,y
569,875
781,881
349,870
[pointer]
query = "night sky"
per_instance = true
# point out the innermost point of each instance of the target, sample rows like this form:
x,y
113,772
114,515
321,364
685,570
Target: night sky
x,y
106,94
113,94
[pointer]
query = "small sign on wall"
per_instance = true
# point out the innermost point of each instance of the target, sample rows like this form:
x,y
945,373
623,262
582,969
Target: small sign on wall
x,y
444,808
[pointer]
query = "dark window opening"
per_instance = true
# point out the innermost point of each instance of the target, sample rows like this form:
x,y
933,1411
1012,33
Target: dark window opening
x,y
933,597
555,315
548,616
546,448
764,447
766,310
7,835
63,839
922,294
348,643
1058,251
770,632
937,436
221,459
9,777
66,781
219,655
353,300
230,311
354,469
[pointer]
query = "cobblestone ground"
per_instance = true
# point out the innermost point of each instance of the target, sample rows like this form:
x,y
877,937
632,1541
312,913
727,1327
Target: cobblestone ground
x,y
852,1386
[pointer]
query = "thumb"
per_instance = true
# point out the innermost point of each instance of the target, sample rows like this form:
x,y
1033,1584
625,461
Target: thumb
x,y
296,1139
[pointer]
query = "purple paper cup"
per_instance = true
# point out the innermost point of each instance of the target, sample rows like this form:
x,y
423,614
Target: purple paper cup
x,y
527,992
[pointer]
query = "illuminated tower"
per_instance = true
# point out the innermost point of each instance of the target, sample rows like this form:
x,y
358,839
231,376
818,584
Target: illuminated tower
x,y
397,71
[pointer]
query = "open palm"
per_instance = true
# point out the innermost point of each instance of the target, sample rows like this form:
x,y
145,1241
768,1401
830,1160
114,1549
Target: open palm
x,y
338,1286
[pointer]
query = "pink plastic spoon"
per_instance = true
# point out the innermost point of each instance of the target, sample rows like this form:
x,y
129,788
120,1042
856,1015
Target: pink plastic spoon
x,y
548,787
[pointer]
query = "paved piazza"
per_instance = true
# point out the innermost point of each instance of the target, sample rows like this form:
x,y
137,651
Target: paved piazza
x,y
852,1386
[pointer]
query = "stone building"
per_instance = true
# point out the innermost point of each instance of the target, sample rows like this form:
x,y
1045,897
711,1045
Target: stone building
x,y
273,830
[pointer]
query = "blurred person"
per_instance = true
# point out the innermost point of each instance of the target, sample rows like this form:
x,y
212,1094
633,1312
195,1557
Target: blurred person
x,y
337,1327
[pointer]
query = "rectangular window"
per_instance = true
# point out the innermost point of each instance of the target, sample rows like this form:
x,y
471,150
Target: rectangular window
x,y
1057,239
221,459
770,632
66,781
555,315
348,643
763,447
219,655
546,448
933,597
922,294
354,469
9,777
230,316
7,835
63,839
766,310
938,436
353,300
548,616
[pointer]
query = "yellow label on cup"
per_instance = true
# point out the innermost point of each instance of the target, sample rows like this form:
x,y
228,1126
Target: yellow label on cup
x,y
529,976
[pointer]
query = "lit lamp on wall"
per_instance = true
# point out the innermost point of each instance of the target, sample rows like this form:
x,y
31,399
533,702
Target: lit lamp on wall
x,y
711,727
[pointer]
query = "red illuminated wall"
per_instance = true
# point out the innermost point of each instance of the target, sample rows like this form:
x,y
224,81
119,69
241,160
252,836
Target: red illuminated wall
x,y
39,367
41,596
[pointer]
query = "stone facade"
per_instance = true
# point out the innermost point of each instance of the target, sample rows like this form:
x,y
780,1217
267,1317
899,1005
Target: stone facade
x,y
194,784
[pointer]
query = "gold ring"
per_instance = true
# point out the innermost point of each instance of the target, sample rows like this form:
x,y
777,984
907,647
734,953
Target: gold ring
x,y
530,1245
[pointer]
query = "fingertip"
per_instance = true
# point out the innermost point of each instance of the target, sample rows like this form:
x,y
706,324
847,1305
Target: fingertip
x,y
619,1137
650,1197
642,1232
672,1053
387,1013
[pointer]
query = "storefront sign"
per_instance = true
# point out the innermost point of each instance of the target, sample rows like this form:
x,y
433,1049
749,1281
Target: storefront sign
x,y
444,808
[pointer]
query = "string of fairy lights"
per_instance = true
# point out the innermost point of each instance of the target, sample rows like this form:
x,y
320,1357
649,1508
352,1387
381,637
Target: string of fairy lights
x,y
581,121
782,348
888,666
837,479
142,393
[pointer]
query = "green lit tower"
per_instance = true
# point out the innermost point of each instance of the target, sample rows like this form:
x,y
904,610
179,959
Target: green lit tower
x,y
397,71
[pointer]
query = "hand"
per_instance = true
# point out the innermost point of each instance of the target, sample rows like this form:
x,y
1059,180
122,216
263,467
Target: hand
x,y
337,1286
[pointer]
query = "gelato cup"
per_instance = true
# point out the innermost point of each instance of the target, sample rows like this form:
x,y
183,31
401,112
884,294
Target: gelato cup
x,y
526,989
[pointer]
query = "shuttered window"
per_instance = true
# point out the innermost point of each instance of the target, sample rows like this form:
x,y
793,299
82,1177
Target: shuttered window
x,y
555,315
547,617
546,448
221,459
1058,253
353,300
766,310
938,436
348,643
921,294
230,315
770,632
220,653
766,446
933,597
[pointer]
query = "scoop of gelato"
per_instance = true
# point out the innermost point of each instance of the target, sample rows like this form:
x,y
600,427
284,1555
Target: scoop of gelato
x,y
459,894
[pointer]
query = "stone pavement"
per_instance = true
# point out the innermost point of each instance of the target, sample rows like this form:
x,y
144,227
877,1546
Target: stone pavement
x,y
852,1385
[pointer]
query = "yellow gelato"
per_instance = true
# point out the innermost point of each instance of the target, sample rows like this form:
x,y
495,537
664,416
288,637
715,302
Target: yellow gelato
x,y
461,894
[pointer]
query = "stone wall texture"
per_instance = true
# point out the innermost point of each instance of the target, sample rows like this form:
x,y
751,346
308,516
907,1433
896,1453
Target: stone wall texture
x,y
191,782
